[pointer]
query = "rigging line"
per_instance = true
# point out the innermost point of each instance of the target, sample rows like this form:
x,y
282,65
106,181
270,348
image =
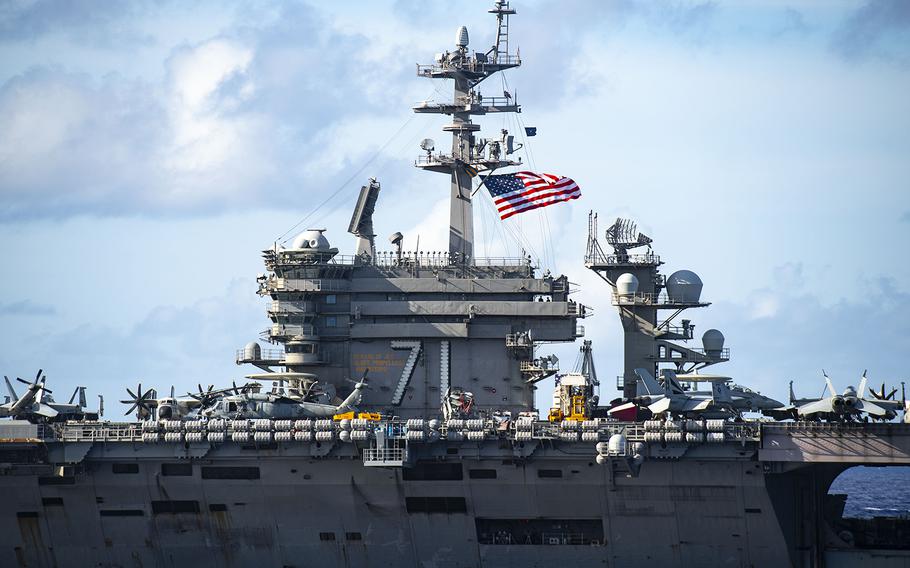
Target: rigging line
x,y
383,165
547,234
358,172
349,180
546,240
507,240
507,234
483,227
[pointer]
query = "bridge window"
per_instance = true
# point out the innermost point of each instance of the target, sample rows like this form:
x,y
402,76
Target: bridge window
x,y
160,507
54,480
446,505
548,532
549,473
176,469
331,299
482,473
434,472
125,467
230,472
121,512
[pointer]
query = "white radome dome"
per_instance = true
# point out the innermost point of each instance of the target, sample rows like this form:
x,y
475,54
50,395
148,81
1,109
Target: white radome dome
x,y
311,239
627,284
684,286
252,351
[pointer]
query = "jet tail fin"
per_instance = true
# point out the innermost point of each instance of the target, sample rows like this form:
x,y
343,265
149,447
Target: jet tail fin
x,y
648,383
831,390
720,392
671,383
862,386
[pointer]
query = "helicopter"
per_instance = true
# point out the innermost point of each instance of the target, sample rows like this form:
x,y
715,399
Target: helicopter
x,y
37,403
278,405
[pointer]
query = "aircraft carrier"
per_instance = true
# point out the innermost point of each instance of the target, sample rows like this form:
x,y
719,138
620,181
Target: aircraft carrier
x,y
396,425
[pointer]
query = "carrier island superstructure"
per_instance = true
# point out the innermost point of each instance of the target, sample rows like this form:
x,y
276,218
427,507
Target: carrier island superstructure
x,y
444,462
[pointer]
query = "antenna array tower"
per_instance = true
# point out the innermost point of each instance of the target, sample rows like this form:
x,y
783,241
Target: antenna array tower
x,y
469,154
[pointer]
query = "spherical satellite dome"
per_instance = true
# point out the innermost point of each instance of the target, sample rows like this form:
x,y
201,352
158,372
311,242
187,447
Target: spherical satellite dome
x,y
713,342
626,284
684,286
311,239
252,351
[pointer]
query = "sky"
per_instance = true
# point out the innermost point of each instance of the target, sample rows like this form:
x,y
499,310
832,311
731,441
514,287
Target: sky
x,y
149,150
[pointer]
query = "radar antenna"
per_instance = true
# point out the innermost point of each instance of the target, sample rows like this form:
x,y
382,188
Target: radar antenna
x,y
362,220
470,154
623,235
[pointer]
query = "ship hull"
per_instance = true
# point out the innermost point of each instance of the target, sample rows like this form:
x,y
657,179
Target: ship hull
x,y
238,507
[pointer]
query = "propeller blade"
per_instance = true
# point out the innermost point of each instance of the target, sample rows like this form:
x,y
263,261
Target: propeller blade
x,y
73,398
130,411
38,376
9,387
891,394
24,382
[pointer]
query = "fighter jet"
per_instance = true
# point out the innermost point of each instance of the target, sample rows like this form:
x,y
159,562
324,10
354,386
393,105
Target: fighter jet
x,y
849,405
737,397
722,401
37,405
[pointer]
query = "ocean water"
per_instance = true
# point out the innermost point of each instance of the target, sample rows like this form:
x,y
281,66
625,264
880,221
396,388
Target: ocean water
x,y
875,491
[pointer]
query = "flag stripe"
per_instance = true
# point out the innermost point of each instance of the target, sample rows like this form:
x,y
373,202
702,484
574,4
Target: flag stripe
x,y
533,191
538,198
525,191
505,216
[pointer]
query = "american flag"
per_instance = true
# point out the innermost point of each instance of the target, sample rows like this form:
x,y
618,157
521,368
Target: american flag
x,y
522,191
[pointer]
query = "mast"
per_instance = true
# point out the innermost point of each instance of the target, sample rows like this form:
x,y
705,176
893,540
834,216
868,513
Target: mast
x,y
469,154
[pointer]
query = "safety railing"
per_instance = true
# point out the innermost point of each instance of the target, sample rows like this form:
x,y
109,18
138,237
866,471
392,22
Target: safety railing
x,y
713,353
100,432
433,159
289,330
394,447
242,355
598,257
653,299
